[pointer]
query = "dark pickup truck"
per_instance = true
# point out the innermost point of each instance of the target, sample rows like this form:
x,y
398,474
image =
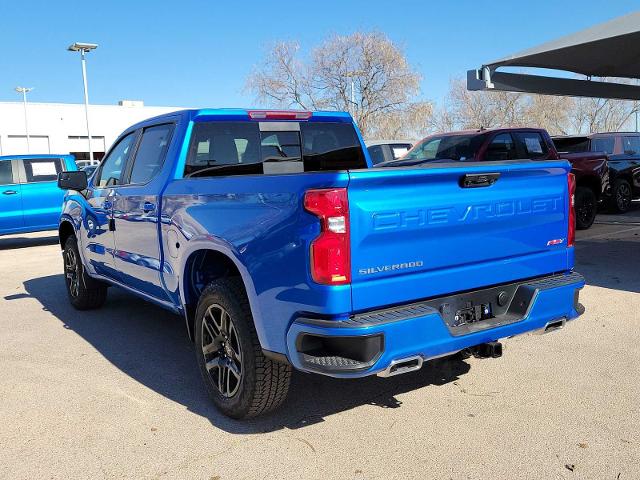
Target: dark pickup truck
x,y
590,169
623,161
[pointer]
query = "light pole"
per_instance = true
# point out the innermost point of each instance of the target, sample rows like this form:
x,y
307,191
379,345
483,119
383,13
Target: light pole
x,y
351,75
83,48
24,91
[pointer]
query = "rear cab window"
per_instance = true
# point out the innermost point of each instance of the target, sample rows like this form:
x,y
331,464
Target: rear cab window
x,y
502,147
376,153
572,144
399,150
240,147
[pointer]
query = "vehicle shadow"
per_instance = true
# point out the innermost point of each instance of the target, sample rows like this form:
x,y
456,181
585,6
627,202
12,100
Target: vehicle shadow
x,y
13,242
150,345
610,263
607,253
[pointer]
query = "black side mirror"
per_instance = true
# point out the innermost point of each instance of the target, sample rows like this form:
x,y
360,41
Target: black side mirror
x,y
75,180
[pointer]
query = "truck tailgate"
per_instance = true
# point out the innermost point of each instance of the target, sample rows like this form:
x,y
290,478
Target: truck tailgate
x,y
417,233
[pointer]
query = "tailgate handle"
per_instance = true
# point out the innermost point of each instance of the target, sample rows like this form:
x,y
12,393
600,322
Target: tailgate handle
x,y
474,180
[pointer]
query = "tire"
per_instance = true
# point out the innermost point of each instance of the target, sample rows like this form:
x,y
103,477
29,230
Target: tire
x,y
84,292
240,380
621,196
586,207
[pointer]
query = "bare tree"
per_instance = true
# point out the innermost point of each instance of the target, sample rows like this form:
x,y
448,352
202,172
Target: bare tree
x,y
557,114
467,109
363,73
601,115
552,113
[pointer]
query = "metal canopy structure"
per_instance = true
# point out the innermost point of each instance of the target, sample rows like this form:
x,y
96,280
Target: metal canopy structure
x,y
611,49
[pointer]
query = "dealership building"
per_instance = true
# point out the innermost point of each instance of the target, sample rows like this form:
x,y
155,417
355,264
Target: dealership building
x,y
61,128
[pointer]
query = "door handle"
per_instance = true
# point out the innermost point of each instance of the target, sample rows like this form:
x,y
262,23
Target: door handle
x,y
148,207
9,192
475,180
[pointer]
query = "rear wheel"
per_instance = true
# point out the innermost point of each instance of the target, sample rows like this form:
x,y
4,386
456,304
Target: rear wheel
x,y
586,207
240,380
84,292
621,196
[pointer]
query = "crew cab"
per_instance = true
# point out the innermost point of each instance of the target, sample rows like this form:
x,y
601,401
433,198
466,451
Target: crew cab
x,y
281,247
29,197
502,144
622,150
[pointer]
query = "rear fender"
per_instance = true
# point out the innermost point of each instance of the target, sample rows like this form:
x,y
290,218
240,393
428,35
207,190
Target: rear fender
x,y
217,245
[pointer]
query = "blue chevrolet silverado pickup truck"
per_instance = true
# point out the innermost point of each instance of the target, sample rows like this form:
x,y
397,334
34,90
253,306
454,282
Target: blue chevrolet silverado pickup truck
x,y
282,247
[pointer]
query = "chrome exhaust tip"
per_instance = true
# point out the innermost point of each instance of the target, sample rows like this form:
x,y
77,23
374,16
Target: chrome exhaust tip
x,y
553,325
403,365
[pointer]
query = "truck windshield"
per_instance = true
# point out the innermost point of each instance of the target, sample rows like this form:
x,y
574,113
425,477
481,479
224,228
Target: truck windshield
x,y
444,147
236,148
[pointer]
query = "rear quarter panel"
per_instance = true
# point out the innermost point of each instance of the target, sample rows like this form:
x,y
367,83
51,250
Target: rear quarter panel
x,y
590,168
258,222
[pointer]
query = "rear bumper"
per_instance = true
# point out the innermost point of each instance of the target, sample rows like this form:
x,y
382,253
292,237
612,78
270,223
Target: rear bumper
x,y
367,344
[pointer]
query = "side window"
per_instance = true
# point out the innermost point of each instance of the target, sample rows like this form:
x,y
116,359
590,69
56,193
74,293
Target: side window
x,y
502,147
42,169
111,170
533,143
376,153
631,145
6,173
151,153
603,144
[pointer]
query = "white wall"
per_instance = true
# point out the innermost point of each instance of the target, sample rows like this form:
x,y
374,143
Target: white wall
x,y
51,125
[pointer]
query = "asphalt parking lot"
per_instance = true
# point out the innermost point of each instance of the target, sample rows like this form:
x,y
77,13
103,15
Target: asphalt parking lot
x,y
115,393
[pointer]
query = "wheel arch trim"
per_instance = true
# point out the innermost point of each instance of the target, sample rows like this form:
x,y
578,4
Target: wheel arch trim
x,y
216,245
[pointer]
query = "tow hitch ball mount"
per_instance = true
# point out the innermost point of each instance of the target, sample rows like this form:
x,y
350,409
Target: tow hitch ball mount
x,y
487,350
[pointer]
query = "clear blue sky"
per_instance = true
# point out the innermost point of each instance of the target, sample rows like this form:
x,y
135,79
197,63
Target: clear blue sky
x,y
199,53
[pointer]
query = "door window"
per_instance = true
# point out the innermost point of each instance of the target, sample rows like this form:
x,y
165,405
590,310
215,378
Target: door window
x,y
603,144
502,147
533,143
151,153
41,169
6,173
631,145
112,168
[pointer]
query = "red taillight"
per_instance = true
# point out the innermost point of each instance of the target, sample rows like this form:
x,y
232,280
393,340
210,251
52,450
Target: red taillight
x,y
278,115
571,234
331,250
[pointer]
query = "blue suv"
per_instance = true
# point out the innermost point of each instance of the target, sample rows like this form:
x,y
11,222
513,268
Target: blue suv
x,y
30,200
